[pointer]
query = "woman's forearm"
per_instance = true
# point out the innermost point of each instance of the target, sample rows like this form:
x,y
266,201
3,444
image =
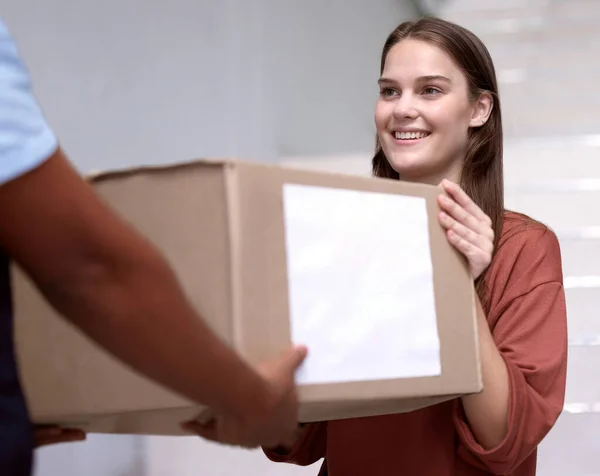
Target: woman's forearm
x,y
487,412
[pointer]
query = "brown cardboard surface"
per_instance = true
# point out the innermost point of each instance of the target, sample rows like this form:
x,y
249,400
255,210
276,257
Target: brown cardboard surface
x,y
220,225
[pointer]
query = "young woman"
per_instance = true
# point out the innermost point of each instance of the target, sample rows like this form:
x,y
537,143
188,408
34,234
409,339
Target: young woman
x,y
438,121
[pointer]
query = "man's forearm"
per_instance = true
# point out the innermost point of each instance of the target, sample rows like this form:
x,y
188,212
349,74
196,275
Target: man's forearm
x,y
133,306
114,285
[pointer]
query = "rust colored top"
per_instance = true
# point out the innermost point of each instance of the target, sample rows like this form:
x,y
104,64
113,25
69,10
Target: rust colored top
x,y
527,317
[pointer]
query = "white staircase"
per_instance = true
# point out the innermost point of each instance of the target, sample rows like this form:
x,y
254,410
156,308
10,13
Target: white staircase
x,y
545,54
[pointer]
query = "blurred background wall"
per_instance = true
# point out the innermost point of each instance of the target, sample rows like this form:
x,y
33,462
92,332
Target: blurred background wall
x,y
145,81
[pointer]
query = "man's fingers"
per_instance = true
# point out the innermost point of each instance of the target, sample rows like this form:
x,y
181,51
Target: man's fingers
x,y
279,372
291,359
293,438
75,433
52,435
69,437
47,431
294,357
207,430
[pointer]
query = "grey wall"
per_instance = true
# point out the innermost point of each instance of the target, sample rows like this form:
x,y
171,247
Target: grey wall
x,y
146,82
149,81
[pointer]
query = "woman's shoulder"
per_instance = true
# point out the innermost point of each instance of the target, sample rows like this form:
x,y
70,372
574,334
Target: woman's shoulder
x,y
527,244
528,256
519,229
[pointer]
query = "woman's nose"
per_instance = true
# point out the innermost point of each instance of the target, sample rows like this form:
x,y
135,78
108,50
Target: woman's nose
x,y
405,107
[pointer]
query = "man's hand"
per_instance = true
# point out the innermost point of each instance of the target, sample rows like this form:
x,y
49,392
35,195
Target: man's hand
x,y
53,434
276,423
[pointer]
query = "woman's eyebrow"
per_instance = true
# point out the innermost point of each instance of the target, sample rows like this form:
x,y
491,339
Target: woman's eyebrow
x,y
420,79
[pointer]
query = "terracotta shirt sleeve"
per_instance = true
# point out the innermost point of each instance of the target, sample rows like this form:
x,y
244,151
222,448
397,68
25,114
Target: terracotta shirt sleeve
x,y
529,325
309,448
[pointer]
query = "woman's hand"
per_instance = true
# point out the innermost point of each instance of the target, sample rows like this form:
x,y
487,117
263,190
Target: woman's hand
x,y
468,229
52,434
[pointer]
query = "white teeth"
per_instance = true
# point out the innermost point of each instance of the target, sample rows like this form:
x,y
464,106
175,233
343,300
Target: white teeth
x,y
410,135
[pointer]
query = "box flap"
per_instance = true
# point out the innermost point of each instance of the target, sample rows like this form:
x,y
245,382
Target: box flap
x,y
99,175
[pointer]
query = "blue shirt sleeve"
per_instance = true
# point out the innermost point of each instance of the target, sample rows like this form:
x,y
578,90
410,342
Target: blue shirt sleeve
x,y
26,139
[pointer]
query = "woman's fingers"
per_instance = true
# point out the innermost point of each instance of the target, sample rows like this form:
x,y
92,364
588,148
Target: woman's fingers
x,y
468,228
475,255
460,196
462,199
465,233
459,214
471,216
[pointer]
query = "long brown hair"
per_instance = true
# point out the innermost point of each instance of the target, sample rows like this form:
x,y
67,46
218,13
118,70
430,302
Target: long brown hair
x,y
482,176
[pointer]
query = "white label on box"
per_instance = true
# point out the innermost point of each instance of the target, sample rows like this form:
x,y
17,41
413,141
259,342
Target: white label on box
x,y
360,281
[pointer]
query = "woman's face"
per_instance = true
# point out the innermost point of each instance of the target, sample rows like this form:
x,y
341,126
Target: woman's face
x,y
424,112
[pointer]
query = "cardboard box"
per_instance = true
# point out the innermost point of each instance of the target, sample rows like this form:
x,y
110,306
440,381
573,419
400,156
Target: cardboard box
x,y
357,268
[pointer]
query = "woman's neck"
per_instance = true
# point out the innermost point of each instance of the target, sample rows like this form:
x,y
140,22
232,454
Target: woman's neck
x,y
436,178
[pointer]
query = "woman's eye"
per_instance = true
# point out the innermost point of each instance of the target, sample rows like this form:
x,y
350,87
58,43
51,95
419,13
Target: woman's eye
x,y
387,92
431,91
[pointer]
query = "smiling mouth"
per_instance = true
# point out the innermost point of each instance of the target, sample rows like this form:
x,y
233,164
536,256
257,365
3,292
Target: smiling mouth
x,y
410,135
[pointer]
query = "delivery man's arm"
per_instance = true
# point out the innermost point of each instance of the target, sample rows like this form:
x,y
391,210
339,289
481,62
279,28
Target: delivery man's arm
x,y
114,285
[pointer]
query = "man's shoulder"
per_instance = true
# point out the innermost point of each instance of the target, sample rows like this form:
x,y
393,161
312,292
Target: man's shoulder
x,y
26,139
